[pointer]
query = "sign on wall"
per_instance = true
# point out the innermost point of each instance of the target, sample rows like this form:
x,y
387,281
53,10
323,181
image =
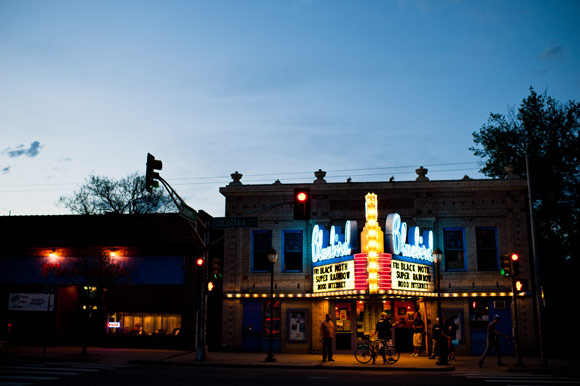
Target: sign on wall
x,y
333,277
410,276
30,302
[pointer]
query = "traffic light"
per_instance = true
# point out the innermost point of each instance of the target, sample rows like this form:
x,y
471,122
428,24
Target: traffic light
x,y
521,285
216,268
514,257
151,175
301,204
210,286
200,261
505,265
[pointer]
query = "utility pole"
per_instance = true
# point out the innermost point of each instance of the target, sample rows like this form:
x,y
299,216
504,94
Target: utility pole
x,y
151,178
538,288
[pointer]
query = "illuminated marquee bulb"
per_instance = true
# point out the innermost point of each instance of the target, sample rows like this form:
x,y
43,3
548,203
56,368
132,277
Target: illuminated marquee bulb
x,y
372,241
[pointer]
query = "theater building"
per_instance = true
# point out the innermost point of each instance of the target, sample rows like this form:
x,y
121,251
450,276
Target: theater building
x,y
367,247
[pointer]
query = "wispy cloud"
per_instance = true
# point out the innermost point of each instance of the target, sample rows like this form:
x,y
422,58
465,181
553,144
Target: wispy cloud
x,y
20,150
552,53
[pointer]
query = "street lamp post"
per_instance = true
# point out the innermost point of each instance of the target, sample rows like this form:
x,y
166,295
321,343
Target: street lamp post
x,y
272,257
437,259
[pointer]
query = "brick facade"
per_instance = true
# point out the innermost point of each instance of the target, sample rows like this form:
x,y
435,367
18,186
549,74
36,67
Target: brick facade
x,y
432,205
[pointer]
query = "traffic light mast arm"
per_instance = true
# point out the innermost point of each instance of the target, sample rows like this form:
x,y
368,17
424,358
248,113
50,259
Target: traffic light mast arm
x,y
173,194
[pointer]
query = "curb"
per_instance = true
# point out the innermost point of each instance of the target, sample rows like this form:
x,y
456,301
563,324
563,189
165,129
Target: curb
x,y
287,366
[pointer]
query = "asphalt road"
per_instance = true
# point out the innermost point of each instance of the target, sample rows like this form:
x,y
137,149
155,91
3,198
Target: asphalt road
x,y
145,375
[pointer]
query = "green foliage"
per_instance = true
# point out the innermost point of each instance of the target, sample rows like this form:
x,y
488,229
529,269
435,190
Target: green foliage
x,y
101,195
549,133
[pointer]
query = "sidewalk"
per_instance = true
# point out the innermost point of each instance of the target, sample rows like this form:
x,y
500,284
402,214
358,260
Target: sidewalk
x,y
124,356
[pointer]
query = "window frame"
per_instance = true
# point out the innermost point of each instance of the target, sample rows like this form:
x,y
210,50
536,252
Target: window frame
x,y
253,252
445,249
477,249
287,231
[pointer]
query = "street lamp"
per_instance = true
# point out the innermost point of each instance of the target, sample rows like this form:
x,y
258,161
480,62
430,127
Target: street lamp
x,y
272,257
437,259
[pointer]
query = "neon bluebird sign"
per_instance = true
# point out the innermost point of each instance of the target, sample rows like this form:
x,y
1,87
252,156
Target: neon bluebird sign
x,y
326,246
419,246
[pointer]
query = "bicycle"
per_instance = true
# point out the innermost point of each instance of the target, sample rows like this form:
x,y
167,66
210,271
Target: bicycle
x,y
367,352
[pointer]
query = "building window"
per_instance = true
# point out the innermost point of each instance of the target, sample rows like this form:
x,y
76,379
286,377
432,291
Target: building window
x,y
454,244
487,257
292,247
261,245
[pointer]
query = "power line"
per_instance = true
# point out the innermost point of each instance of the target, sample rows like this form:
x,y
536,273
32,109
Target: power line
x,y
287,176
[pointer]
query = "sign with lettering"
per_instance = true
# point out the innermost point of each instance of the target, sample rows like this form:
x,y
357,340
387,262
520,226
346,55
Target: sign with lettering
x,y
234,222
410,276
30,302
333,277
327,246
419,246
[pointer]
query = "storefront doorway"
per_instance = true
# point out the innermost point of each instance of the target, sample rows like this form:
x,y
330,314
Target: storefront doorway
x,y
345,324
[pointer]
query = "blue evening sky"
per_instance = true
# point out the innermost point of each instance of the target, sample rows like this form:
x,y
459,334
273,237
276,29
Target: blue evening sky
x,y
270,88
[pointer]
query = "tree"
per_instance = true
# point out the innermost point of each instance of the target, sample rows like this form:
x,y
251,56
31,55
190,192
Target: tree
x,y
93,273
548,132
101,195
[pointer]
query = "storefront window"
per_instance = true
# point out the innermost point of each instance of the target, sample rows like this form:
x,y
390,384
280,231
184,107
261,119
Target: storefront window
x,y
276,319
125,323
487,257
454,244
292,258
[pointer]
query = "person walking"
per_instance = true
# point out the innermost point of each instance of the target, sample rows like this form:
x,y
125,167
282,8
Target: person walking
x,y
492,341
449,331
435,339
385,330
327,334
418,331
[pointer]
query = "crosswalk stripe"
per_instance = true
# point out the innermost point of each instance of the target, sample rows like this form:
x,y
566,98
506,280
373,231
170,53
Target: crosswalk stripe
x,y
48,368
34,378
28,374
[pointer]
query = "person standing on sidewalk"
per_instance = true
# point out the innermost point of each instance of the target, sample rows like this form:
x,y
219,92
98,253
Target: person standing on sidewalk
x,y
418,331
492,341
450,333
385,330
435,338
327,334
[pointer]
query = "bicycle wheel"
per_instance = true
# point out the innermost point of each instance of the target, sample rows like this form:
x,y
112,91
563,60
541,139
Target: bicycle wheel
x,y
392,355
363,354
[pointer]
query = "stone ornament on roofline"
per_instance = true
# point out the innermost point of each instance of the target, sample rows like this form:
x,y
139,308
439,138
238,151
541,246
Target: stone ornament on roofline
x,y
509,173
236,177
320,177
422,173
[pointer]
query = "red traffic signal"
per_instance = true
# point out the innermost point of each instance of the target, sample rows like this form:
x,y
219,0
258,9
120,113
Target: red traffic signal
x,y
200,262
515,260
301,204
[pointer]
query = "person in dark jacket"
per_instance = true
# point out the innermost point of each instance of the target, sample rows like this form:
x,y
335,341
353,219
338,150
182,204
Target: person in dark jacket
x,y
435,338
